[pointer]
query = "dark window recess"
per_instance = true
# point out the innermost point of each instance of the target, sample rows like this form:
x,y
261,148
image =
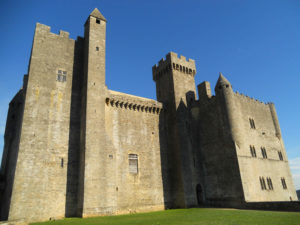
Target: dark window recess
x,y
280,156
262,183
253,151
270,184
283,183
252,123
61,76
62,163
97,49
98,21
133,163
264,152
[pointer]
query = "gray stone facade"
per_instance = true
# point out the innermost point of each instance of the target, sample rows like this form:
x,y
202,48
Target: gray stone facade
x,y
75,148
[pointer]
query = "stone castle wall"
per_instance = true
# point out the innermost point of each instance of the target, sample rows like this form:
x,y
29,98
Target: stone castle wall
x,y
11,149
132,127
41,173
77,148
266,134
220,178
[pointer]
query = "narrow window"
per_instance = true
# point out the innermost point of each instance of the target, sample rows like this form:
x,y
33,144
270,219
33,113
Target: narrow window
x,y
270,185
253,151
133,163
283,183
262,183
264,152
97,48
252,123
280,156
98,21
62,162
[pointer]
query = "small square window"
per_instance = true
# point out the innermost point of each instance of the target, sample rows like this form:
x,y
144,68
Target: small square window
x,y
98,21
61,76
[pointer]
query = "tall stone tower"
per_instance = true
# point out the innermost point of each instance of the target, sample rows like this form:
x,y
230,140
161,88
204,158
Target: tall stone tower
x,y
175,88
93,116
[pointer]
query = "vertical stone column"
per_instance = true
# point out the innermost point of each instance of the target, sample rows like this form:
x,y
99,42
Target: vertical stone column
x,y
93,179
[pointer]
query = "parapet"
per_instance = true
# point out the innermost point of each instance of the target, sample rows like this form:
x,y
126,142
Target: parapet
x,y
173,62
131,102
204,90
41,28
249,99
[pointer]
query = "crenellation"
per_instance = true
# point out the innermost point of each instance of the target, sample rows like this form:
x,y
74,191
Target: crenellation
x,y
173,62
249,99
64,34
77,149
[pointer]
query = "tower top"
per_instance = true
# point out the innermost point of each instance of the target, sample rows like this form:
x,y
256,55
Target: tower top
x,y
222,81
96,13
173,62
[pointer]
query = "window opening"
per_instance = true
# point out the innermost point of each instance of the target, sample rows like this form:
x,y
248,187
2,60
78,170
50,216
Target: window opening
x,y
252,123
98,21
262,183
270,184
280,156
264,152
253,151
133,163
61,76
283,183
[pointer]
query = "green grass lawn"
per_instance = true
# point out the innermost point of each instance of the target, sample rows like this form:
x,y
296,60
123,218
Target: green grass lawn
x,y
197,216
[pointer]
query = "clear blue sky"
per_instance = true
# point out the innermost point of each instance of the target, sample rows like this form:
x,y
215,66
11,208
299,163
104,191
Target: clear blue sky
x,y
254,43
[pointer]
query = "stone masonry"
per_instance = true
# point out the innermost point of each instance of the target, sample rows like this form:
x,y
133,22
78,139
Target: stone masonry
x,y
75,148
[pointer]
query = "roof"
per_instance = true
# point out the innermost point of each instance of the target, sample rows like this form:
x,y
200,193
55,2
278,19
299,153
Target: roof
x,y
96,13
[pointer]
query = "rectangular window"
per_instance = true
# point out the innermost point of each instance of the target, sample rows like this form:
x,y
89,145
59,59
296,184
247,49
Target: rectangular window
x,y
280,156
283,183
262,183
133,163
252,124
253,151
264,152
270,184
61,76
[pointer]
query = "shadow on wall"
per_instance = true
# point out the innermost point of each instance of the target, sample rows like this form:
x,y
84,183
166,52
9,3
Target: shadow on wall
x,y
181,185
72,189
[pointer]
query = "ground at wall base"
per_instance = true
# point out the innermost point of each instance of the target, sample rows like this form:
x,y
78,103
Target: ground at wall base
x,y
199,216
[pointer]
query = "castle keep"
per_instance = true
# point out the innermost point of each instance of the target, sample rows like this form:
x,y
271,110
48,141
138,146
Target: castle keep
x,y
75,148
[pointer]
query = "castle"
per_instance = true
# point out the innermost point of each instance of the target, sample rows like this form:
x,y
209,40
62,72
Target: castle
x,y
75,148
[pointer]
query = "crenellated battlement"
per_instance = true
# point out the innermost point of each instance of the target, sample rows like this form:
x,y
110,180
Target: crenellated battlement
x,y
131,102
47,29
250,99
175,63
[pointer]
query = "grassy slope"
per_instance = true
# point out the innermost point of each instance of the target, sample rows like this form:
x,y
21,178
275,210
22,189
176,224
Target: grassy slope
x,y
190,217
